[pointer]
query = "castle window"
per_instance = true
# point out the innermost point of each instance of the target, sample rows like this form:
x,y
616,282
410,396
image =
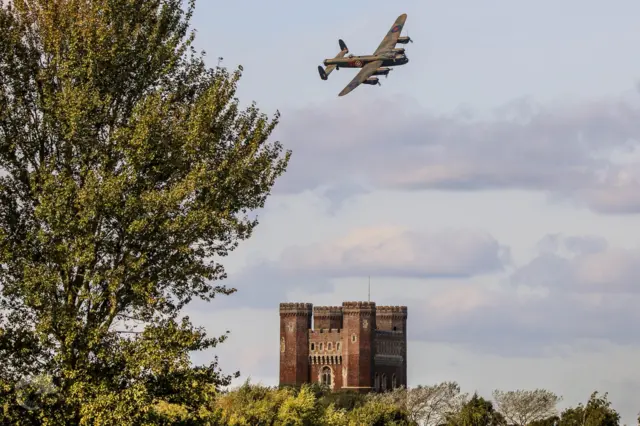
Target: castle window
x,y
338,346
326,376
384,382
313,346
395,328
328,346
393,382
320,346
353,338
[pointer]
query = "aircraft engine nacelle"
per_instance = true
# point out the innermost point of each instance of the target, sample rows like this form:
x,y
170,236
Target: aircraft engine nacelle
x,y
371,80
399,51
403,40
382,71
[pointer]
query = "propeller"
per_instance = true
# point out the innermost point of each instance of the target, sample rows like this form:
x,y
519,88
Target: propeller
x,y
410,40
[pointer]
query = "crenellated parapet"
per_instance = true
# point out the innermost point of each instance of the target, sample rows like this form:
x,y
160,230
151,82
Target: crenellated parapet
x,y
327,317
327,310
392,311
334,331
358,308
296,309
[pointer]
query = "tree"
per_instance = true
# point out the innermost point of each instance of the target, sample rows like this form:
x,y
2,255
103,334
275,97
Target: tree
x,y
477,411
378,413
522,407
427,405
127,170
597,412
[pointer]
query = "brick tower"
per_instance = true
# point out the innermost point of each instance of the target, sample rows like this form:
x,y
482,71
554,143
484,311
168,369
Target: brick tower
x,y
356,346
295,322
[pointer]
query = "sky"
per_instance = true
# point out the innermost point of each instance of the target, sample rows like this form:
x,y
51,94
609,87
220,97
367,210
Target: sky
x,y
491,185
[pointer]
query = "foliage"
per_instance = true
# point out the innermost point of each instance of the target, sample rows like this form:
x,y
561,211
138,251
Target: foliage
x,y
427,405
549,421
477,411
522,407
127,170
597,412
257,404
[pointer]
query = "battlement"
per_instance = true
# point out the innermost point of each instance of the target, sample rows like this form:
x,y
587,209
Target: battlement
x,y
359,308
359,305
391,318
335,331
391,309
327,317
391,312
297,309
327,310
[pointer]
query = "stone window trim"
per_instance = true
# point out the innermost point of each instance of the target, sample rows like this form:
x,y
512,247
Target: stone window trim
x,y
326,376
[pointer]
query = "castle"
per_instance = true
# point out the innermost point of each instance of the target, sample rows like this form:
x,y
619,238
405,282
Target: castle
x,y
356,346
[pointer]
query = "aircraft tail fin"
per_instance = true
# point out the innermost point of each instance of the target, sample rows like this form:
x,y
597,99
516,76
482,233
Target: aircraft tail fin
x,y
324,72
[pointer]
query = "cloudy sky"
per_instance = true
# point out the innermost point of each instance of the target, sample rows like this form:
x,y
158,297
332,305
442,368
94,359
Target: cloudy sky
x,y
491,185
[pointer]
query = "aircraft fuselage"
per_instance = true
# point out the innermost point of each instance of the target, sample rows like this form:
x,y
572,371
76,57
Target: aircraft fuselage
x,y
360,61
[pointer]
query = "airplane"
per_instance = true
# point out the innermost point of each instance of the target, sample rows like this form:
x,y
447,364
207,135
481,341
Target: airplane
x,y
385,56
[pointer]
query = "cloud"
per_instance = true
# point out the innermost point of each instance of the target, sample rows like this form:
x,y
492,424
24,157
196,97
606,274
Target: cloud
x,y
589,266
462,288
582,151
400,253
376,252
576,290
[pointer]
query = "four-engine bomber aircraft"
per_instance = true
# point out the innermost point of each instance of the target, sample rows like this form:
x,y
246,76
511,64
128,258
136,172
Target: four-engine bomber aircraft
x,y
386,55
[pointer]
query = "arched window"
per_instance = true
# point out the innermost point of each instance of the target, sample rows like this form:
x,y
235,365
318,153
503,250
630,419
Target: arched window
x,y
384,382
393,382
376,382
313,346
329,346
326,376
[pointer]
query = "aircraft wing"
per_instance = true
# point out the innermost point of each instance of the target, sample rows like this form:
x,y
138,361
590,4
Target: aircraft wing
x,y
364,74
391,38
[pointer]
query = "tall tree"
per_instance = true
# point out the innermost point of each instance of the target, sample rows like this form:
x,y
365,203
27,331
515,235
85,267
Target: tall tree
x,y
522,407
477,411
426,405
596,412
127,170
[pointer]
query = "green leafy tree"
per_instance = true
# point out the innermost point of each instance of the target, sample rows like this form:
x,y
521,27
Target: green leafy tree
x,y
300,410
251,404
378,413
549,421
477,411
127,170
597,412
